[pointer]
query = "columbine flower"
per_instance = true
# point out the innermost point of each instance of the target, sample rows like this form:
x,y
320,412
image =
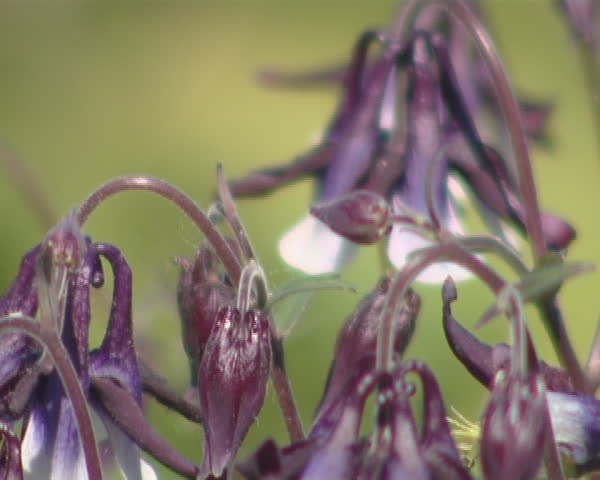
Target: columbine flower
x,y
395,449
513,425
67,266
408,157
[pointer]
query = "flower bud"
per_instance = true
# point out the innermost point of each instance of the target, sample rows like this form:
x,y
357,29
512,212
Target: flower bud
x,y
232,381
201,293
514,427
357,341
360,216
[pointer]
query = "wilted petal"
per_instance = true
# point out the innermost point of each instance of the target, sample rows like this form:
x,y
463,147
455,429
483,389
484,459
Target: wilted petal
x,y
313,248
232,381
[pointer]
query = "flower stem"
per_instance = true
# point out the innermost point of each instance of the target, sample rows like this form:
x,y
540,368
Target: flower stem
x,y
445,251
510,110
181,199
506,101
68,376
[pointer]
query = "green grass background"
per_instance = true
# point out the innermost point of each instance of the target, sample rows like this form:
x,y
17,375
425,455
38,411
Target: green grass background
x,y
91,90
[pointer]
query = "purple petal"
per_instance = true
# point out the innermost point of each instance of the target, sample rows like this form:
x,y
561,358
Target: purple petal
x,y
576,425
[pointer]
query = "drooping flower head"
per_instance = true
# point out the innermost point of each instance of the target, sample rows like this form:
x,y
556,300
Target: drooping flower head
x,y
408,154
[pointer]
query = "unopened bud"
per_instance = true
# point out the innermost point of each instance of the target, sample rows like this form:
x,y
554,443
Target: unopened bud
x,y
360,216
232,380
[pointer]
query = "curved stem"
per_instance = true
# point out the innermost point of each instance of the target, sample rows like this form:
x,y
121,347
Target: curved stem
x,y
487,243
252,276
181,199
506,100
232,216
69,378
285,394
447,251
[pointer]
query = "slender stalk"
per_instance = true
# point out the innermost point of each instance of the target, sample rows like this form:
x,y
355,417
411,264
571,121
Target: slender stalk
x,y
64,367
232,216
129,417
506,101
283,389
445,251
593,363
158,386
487,243
181,199
285,396
29,186
510,110
550,310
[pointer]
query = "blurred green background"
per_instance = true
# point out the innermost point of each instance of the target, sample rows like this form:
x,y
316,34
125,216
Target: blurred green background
x,y
92,90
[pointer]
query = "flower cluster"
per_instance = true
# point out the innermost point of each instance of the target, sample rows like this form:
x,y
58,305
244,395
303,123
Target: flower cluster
x,y
406,144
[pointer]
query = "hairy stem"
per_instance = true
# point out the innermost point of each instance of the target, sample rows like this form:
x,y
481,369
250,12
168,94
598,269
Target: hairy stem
x,y
181,199
445,251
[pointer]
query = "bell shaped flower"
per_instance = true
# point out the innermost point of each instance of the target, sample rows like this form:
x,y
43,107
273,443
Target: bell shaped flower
x,y
396,449
514,431
232,379
410,157
58,275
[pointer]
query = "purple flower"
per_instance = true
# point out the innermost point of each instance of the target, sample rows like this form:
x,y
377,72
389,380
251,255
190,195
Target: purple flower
x,y
409,157
396,449
67,266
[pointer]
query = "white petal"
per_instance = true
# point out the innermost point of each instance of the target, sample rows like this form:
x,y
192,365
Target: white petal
x,y
402,243
68,460
127,454
314,249
34,457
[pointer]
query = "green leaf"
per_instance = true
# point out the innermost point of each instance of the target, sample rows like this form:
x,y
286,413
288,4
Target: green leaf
x,y
292,299
545,279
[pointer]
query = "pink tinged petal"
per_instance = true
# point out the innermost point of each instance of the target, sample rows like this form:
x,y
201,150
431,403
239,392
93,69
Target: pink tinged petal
x,y
314,249
403,243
